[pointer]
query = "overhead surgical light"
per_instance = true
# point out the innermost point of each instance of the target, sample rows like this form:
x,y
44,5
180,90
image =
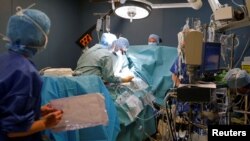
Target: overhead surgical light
x,y
133,10
139,9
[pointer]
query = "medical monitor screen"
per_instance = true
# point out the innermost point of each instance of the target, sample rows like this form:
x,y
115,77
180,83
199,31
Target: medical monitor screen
x,y
211,57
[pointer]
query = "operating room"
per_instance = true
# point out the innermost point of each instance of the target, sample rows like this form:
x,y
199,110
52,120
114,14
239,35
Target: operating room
x,y
145,109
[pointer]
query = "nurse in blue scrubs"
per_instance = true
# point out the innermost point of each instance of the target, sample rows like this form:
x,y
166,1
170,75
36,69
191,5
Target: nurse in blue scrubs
x,y
21,115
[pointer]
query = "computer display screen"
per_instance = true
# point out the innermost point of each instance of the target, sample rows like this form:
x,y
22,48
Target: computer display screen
x,y
211,57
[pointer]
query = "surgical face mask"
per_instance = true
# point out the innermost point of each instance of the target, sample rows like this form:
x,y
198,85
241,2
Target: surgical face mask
x,y
123,52
152,43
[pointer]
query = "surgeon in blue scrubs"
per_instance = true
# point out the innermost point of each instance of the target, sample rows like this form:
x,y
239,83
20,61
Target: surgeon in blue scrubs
x,y
21,115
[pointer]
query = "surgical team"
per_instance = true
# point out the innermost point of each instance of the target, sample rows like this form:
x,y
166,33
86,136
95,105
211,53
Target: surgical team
x,y
22,118
21,114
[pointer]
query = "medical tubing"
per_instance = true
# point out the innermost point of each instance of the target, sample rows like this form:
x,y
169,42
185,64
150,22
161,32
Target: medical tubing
x,y
241,6
232,53
243,52
145,119
119,87
171,128
170,118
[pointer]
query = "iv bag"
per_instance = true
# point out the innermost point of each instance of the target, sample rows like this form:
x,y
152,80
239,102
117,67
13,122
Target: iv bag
x,y
108,23
98,25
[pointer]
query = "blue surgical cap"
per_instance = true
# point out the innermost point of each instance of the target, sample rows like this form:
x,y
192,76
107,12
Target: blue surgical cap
x,y
23,31
237,78
27,31
156,37
120,43
107,39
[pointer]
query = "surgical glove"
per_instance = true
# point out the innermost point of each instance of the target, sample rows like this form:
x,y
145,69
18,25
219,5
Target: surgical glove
x,y
127,79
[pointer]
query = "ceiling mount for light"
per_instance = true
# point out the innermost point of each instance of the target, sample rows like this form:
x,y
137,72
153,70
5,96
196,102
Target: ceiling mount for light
x,y
139,9
133,10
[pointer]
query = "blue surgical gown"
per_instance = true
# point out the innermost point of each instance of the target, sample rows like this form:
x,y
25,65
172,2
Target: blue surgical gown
x,y
175,70
20,100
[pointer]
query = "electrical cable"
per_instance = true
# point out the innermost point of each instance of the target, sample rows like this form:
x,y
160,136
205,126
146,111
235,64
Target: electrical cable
x,y
170,118
241,6
234,104
148,118
171,128
243,52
